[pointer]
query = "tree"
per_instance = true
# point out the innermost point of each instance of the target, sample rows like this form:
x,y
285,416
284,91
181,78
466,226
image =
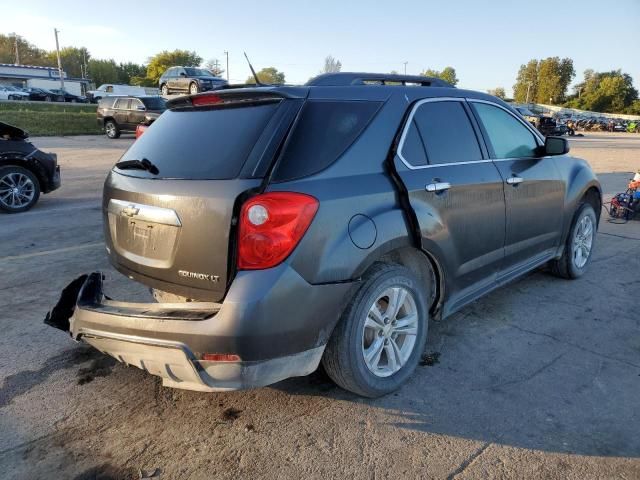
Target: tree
x,y
498,92
331,65
268,75
609,92
103,71
129,71
544,81
526,86
72,60
159,63
448,74
29,53
213,65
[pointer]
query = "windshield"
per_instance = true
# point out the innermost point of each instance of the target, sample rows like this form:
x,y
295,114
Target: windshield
x,y
154,103
200,144
197,72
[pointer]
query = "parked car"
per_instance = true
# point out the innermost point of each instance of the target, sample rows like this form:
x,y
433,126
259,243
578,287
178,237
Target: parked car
x,y
545,125
109,89
8,92
123,114
188,80
68,96
25,171
40,94
282,227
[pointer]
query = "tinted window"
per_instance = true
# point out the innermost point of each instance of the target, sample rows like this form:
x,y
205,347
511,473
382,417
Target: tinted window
x,y
323,133
197,72
200,144
413,148
154,103
447,133
508,137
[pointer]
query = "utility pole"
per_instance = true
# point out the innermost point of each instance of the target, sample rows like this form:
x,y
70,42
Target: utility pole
x,y
227,54
15,42
405,67
55,31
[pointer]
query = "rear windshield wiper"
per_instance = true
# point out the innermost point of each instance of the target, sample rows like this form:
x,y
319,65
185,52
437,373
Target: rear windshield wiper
x,y
143,164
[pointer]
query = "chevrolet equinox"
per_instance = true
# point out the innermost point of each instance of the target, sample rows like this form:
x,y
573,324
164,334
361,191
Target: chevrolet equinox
x,y
280,227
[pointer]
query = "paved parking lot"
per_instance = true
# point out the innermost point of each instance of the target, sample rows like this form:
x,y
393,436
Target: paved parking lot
x,y
539,379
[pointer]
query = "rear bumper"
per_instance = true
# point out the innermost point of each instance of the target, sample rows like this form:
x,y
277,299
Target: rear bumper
x,y
259,321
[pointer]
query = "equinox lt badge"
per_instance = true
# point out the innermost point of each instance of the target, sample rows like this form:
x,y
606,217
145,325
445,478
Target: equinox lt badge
x,y
199,276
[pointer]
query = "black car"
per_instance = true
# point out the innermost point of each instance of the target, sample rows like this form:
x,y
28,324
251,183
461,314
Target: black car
x,y
25,171
123,114
285,226
188,80
40,94
69,97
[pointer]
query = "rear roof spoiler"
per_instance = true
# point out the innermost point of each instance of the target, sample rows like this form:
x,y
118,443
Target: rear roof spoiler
x,y
343,79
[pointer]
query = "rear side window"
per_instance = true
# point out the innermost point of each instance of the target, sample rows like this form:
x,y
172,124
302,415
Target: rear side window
x,y
325,130
122,104
200,144
447,133
413,148
508,137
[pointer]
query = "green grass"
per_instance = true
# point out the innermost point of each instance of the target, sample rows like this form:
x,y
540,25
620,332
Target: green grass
x,y
50,118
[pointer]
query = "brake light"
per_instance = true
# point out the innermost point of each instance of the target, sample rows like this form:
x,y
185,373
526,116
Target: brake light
x,y
270,227
202,100
140,129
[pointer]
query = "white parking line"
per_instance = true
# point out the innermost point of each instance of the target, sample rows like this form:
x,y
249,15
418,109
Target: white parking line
x,y
51,252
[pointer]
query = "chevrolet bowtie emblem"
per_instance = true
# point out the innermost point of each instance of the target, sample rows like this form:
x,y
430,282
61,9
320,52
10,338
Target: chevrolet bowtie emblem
x,y
130,211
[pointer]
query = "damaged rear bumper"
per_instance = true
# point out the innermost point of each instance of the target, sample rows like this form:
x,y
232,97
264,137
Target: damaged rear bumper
x,y
273,340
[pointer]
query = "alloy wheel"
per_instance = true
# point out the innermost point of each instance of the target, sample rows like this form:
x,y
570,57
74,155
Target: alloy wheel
x,y
583,241
16,190
390,330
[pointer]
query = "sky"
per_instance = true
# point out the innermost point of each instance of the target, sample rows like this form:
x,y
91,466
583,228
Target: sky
x,y
485,41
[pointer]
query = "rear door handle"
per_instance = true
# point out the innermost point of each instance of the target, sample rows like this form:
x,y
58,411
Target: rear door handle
x,y
438,187
515,180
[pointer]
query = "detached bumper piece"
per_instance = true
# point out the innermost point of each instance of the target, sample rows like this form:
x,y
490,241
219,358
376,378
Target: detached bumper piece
x,y
148,336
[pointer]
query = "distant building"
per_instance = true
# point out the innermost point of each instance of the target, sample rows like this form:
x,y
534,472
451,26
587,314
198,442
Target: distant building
x,y
40,77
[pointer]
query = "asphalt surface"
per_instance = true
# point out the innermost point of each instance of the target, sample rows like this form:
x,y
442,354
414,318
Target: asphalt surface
x,y
539,379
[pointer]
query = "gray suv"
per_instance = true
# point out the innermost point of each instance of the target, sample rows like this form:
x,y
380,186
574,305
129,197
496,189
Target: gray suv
x,y
281,227
188,80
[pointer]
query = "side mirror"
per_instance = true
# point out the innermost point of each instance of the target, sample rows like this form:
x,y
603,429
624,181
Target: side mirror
x,y
182,74
556,146
140,108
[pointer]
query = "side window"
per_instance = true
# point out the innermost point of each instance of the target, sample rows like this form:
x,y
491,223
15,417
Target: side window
x,y
413,148
508,137
447,133
109,89
122,104
135,103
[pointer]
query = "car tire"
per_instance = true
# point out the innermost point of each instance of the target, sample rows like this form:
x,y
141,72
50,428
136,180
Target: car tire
x,y
111,129
164,89
12,177
193,88
354,356
578,248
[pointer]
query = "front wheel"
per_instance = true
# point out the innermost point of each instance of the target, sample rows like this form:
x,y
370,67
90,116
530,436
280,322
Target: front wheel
x,y
19,189
578,248
378,342
193,88
164,89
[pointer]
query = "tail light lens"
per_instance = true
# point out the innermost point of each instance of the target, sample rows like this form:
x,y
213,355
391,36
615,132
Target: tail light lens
x,y
140,129
271,225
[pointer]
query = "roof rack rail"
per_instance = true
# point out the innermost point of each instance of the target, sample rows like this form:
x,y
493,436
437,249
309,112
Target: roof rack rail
x,y
343,79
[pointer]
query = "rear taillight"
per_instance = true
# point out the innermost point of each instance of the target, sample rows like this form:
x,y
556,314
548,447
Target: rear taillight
x,y
140,129
270,227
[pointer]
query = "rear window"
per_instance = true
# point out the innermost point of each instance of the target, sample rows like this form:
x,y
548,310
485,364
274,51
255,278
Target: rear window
x,y
200,144
325,130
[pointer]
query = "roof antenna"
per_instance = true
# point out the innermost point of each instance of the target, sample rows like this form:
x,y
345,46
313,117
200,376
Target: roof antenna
x,y
258,82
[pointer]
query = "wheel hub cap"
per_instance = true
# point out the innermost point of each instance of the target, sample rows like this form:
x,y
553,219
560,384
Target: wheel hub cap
x,y
390,330
16,190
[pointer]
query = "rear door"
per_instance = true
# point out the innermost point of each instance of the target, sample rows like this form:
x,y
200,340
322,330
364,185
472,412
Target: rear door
x,y
534,191
136,114
456,194
121,112
174,229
